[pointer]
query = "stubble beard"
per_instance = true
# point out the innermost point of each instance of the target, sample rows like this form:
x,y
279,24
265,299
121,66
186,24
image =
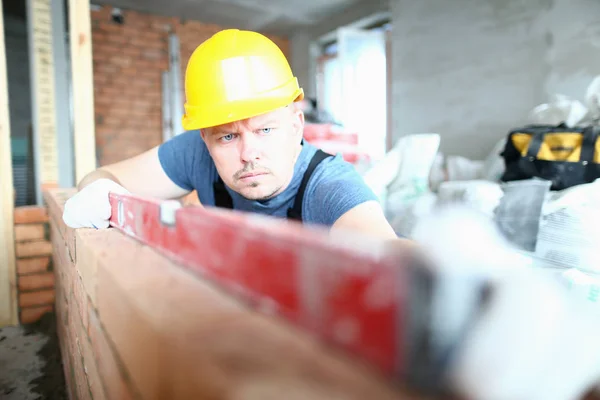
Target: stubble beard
x,y
263,198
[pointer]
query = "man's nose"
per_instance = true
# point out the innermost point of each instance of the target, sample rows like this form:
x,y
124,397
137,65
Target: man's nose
x,y
250,147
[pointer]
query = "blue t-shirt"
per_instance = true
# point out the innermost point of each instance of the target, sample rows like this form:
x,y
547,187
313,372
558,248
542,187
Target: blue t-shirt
x,y
334,188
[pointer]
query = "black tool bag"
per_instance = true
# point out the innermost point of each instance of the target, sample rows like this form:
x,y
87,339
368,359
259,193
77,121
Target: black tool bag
x,y
565,156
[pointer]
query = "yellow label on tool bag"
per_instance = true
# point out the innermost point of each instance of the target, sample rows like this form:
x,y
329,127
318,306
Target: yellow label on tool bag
x,y
559,146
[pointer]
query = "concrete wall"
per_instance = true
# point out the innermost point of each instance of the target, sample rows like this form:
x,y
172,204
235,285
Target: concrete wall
x,y
471,70
302,64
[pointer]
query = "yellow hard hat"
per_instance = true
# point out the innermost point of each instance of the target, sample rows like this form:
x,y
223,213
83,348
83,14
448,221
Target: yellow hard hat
x,y
234,75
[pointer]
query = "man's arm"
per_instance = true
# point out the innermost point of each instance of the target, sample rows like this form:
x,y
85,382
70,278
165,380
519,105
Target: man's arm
x,y
366,218
142,175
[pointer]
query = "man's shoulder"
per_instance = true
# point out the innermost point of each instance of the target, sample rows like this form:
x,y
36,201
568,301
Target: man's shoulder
x,y
334,167
186,146
187,138
335,187
185,159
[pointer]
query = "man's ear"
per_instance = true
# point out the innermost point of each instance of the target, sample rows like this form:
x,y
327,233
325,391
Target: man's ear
x,y
203,134
299,122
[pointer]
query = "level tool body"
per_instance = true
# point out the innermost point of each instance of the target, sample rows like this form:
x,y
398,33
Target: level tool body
x,y
365,296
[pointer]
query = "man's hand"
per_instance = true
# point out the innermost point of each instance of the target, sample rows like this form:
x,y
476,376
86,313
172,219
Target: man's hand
x,y
90,208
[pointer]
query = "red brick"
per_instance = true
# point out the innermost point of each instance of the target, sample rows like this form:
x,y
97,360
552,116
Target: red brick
x,y
55,200
35,282
129,289
107,68
109,367
32,314
120,60
33,265
29,232
153,54
113,90
80,298
87,261
30,215
66,273
132,52
91,370
32,299
67,359
60,256
61,300
99,36
81,382
36,248
86,374
111,27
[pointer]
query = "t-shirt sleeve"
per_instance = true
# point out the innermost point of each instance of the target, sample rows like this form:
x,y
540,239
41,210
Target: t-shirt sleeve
x,y
335,188
179,157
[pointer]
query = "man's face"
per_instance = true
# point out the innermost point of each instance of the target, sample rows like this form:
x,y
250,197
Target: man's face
x,y
256,156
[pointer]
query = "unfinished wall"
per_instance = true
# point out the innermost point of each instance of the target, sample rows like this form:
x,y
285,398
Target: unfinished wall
x,y
132,324
128,62
302,63
35,277
471,70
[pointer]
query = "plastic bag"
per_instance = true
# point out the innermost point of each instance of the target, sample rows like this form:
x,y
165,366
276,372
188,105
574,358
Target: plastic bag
x,y
519,212
569,230
592,99
493,165
438,173
382,173
463,169
480,195
583,285
406,215
559,109
417,155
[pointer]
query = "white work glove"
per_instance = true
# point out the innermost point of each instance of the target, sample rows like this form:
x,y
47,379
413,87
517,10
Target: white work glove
x,y
90,207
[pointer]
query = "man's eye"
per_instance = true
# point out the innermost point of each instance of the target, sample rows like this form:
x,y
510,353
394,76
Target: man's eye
x,y
227,138
266,130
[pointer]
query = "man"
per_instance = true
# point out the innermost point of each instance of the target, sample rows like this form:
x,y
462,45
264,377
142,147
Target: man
x,y
242,149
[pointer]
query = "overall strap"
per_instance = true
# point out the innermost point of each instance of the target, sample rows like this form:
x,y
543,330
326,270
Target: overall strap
x,y
296,211
222,196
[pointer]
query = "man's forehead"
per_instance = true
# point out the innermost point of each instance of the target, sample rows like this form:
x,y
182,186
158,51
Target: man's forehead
x,y
274,116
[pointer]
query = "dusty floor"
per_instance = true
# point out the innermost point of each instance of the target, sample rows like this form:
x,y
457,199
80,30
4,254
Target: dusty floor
x,y
30,365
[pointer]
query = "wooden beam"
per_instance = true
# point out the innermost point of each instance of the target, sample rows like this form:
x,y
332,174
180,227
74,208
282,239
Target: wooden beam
x,y
8,291
80,39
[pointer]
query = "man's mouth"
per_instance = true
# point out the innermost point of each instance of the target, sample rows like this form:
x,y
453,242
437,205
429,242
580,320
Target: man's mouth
x,y
252,175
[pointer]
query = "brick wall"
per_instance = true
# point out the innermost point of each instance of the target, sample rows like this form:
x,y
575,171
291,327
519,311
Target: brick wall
x,y
132,324
128,63
35,278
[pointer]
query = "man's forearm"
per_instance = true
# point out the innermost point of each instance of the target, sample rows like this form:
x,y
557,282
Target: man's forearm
x,y
94,176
